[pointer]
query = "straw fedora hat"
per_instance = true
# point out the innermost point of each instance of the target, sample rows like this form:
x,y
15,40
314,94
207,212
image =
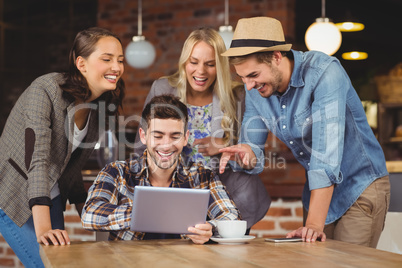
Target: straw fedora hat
x,y
257,34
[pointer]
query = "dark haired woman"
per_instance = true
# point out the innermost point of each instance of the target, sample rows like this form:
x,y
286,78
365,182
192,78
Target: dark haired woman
x,y
50,133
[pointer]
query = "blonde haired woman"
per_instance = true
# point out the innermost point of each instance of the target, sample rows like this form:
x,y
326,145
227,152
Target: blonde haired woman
x,y
215,104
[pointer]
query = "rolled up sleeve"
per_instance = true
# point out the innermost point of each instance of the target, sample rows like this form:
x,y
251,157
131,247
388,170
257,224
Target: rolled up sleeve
x,y
328,129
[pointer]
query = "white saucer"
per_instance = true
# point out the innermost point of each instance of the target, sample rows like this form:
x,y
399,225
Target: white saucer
x,y
232,241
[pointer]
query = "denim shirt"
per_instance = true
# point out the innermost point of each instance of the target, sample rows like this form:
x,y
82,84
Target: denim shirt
x,y
321,119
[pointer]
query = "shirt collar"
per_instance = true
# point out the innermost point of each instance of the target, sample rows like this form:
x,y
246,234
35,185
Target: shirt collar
x,y
296,80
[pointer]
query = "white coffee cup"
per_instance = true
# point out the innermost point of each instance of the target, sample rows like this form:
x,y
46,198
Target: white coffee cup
x,y
231,228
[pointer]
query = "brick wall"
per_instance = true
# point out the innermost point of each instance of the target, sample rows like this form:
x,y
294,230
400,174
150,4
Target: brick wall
x,y
7,256
166,24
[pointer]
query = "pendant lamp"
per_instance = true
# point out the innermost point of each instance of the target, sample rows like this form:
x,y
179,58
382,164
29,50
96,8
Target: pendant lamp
x,y
323,35
349,24
140,53
226,31
354,55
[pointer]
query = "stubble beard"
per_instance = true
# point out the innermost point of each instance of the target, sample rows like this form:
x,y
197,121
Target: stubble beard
x,y
162,166
275,83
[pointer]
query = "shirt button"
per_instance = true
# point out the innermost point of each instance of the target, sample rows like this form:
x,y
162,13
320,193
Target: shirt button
x,y
291,142
301,153
308,164
283,126
307,119
283,106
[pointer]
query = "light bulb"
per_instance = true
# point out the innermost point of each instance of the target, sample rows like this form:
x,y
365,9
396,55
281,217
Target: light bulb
x,y
323,36
347,25
140,53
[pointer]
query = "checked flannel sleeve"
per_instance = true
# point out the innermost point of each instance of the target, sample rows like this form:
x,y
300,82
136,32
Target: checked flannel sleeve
x,y
222,206
107,208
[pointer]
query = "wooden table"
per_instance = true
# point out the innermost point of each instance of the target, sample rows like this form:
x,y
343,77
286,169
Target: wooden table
x,y
184,253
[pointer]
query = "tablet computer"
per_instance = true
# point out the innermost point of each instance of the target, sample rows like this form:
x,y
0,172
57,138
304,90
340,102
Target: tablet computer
x,y
168,210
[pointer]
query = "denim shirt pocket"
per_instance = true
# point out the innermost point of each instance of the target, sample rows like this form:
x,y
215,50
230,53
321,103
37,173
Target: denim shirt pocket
x,y
304,123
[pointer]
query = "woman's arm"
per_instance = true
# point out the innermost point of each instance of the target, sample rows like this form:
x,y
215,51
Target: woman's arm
x,y
43,228
209,146
40,102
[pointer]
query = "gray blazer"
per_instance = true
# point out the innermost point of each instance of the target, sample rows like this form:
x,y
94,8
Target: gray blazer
x,y
36,152
247,191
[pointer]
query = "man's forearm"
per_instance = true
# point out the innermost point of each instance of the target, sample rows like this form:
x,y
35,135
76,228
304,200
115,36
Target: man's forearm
x,y
319,205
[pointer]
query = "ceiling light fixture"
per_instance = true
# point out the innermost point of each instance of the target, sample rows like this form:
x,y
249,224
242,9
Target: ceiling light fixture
x,y
140,53
323,35
349,24
226,31
354,55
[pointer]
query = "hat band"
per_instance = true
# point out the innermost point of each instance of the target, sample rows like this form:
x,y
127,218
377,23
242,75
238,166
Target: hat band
x,y
255,43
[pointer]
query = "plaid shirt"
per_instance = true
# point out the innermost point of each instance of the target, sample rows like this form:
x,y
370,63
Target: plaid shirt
x,y
110,198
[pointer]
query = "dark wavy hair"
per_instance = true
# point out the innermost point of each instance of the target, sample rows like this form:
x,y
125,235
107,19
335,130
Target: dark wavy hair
x,y
75,86
164,106
261,57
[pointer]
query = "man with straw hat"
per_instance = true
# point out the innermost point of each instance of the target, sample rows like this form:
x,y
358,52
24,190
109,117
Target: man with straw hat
x,y
306,99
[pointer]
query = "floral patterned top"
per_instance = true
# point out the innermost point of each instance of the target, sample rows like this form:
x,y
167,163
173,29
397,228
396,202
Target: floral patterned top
x,y
199,125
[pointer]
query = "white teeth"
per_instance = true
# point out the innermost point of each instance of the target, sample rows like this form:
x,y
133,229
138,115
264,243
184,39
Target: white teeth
x,y
258,88
111,77
165,154
200,79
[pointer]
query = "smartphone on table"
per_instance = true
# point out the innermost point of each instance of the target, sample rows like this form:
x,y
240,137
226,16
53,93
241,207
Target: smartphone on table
x,y
284,239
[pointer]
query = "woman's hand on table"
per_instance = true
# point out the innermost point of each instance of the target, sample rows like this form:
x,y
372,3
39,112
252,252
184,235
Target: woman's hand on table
x,y
55,237
308,234
43,227
209,146
203,232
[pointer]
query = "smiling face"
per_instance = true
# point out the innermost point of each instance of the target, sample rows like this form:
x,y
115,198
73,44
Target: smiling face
x,y
201,68
165,139
267,79
104,67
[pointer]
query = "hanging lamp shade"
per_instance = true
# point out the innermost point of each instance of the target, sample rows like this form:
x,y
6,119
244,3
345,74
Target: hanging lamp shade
x,y
354,55
349,26
349,23
140,53
323,36
226,31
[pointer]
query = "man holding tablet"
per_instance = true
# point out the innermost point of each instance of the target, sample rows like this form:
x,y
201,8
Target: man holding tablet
x,y
164,131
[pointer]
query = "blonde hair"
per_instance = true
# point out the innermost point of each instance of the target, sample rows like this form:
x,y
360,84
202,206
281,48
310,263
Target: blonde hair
x,y
222,86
